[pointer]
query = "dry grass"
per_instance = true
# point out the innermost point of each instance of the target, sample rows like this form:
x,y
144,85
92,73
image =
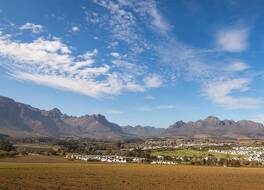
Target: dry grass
x,y
36,159
95,176
37,146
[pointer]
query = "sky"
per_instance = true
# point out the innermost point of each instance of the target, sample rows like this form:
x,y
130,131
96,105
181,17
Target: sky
x,y
136,62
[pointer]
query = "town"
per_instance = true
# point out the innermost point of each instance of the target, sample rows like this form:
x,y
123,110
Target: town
x,y
169,152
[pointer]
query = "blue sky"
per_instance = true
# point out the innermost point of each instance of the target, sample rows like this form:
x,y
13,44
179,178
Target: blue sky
x,y
137,62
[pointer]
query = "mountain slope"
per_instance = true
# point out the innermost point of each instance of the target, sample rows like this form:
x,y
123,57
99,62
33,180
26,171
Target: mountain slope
x,y
17,119
93,126
21,119
214,127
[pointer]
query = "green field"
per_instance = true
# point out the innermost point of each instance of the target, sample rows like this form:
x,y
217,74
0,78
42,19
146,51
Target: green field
x,y
190,153
94,176
39,147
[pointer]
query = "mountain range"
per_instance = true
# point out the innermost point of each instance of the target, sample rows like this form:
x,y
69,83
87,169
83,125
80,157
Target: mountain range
x,y
22,120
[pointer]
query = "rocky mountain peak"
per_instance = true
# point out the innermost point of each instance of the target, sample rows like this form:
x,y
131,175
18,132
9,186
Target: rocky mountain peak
x,y
212,118
99,117
178,124
6,100
55,112
211,121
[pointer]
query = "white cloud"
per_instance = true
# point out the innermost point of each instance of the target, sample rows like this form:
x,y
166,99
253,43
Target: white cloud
x,y
161,107
237,66
75,29
149,97
183,61
233,40
115,54
122,17
50,52
202,67
120,23
178,59
127,67
35,28
51,63
158,20
153,81
97,89
220,93
148,9
96,38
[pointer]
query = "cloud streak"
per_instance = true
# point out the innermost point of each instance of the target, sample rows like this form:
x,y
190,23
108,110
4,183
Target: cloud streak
x,y
160,107
202,66
52,63
35,28
220,93
237,66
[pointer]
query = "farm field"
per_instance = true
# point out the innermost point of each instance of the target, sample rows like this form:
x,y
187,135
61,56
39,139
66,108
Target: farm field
x,y
128,176
36,159
36,146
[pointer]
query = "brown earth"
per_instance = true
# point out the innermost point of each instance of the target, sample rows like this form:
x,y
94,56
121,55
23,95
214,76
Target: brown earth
x,y
128,176
36,159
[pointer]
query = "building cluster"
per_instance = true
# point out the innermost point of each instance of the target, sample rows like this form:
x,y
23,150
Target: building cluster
x,y
109,159
184,145
115,159
163,162
248,153
103,158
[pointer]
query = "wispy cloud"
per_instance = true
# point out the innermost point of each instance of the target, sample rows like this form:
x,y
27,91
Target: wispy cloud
x,y
182,61
127,24
237,65
75,29
149,11
115,54
202,66
126,67
145,109
149,97
127,21
220,93
153,81
178,59
51,62
35,28
233,39
120,23
160,107
114,112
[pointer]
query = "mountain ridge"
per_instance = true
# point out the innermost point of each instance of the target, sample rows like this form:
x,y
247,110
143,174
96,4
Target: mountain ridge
x,y
214,127
18,119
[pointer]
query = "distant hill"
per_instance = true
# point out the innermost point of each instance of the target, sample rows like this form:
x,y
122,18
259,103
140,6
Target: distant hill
x,y
214,127
143,131
21,120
